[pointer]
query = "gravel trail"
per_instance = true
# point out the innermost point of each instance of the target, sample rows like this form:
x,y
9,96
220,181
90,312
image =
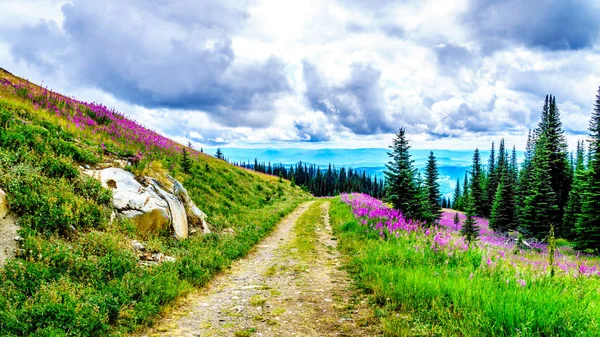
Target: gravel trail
x,y
273,292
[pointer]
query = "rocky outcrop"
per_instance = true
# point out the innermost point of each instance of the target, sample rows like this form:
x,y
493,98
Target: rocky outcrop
x,y
195,216
151,205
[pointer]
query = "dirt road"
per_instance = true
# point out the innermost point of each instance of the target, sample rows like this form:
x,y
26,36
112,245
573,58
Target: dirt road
x,y
291,284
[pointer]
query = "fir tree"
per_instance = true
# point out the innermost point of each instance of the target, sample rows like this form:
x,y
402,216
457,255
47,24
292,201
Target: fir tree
x,y
433,190
574,205
401,190
465,192
477,194
186,163
539,209
456,221
504,217
550,127
525,177
493,179
423,211
514,168
457,195
588,225
219,154
470,230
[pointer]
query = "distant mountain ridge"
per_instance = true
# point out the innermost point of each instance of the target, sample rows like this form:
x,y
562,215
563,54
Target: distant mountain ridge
x,y
452,163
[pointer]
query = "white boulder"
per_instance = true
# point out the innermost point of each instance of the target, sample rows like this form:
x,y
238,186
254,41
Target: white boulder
x,y
153,207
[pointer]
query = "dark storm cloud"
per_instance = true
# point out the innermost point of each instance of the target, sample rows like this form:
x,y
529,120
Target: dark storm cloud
x,y
357,104
160,54
551,24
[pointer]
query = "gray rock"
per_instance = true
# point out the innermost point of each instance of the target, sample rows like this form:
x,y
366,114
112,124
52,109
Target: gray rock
x,y
195,216
3,204
179,219
144,206
153,207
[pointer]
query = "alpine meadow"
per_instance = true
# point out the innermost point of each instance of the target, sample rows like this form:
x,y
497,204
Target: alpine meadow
x,y
316,168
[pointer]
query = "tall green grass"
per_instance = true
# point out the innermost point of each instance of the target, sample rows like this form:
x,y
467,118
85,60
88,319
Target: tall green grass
x,y
76,273
419,292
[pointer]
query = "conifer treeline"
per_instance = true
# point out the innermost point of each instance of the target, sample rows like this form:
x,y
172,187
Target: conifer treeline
x,y
551,188
322,182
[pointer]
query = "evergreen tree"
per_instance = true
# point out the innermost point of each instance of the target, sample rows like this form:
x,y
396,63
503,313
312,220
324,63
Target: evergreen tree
x,y
514,168
525,177
477,194
433,190
539,209
470,230
504,216
465,192
219,154
457,195
493,179
186,163
456,221
574,205
423,211
401,190
588,225
550,127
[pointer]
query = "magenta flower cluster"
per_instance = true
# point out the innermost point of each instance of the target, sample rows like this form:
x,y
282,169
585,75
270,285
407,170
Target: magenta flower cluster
x,y
500,250
378,216
92,116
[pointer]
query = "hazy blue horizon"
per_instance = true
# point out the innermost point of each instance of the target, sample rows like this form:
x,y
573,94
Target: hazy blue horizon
x,y
452,163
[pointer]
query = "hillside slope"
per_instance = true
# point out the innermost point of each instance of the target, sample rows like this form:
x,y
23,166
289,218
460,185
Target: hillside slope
x,y
76,273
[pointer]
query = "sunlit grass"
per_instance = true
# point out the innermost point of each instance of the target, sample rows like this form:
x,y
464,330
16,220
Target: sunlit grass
x,y
76,274
422,289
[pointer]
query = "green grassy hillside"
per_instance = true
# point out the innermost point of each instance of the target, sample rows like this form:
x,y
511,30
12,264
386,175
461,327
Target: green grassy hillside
x,y
76,273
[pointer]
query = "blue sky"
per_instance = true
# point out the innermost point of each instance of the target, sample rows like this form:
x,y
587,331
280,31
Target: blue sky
x,y
316,74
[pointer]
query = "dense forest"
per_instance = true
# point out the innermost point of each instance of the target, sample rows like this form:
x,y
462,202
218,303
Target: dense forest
x,y
551,191
321,182
312,178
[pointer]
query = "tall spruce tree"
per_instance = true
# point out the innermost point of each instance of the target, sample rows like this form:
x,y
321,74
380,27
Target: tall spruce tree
x,y
540,207
432,187
477,191
504,217
588,225
423,210
401,190
514,168
525,177
550,127
493,179
574,205
457,195
465,192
